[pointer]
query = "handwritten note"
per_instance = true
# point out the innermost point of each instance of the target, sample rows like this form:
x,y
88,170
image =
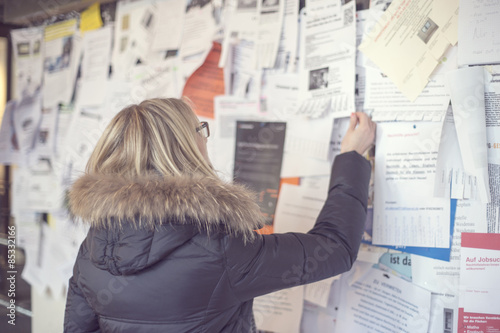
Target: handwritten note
x,y
478,27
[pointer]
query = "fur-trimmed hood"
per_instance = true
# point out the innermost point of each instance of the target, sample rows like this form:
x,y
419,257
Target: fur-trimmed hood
x,y
135,223
108,201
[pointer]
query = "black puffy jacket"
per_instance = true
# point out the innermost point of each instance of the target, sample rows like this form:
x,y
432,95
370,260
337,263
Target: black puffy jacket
x,y
179,254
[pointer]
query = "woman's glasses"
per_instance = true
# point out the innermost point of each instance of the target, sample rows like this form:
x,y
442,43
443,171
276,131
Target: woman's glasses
x,y
203,129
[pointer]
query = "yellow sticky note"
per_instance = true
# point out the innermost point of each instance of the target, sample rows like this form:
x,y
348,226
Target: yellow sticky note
x,y
51,221
90,19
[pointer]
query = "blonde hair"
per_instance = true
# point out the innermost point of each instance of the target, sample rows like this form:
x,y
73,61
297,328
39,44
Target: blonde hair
x,y
157,135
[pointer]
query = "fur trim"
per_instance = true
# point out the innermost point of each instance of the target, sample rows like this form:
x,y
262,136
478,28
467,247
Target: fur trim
x,y
107,201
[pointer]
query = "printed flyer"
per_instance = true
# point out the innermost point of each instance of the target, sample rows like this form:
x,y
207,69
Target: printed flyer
x,y
479,308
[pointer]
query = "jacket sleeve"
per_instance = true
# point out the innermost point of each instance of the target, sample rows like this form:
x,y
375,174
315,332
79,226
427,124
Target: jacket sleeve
x,y
279,261
79,316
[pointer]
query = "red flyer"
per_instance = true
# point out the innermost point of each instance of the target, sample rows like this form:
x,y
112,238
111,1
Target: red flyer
x,y
479,302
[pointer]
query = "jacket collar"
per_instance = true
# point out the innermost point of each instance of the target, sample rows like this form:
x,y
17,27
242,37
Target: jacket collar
x,y
109,201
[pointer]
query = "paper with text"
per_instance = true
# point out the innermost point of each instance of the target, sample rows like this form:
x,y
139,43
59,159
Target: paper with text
x,y
28,58
408,40
381,302
287,48
279,312
133,35
387,103
479,291
437,275
478,27
450,172
241,21
168,17
228,110
327,59
466,87
96,54
199,29
491,101
9,148
61,60
405,212
270,23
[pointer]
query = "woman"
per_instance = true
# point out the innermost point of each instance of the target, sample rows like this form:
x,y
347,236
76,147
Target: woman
x,y
172,248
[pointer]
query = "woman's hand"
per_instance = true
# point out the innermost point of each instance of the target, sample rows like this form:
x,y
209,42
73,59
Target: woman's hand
x,y
360,135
